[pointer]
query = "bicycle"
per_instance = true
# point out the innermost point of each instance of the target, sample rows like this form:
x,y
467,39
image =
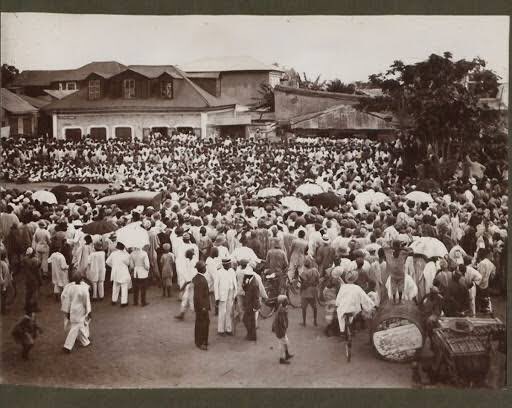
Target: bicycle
x,y
271,285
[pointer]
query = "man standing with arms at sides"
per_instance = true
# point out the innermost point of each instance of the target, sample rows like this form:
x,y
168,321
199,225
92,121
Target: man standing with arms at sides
x,y
201,306
119,261
251,302
139,264
225,288
187,288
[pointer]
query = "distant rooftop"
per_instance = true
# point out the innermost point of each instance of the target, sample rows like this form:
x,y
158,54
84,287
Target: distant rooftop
x,y
14,104
240,63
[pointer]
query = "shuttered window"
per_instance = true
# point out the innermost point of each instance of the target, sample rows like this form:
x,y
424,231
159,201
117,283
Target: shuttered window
x,y
124,133
94,89
129,88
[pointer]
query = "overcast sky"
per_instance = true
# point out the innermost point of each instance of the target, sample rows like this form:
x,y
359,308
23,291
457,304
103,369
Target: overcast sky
x,y
349,48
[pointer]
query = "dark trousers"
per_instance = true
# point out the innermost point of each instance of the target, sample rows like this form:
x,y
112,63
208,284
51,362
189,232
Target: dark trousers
x,y
202,327
250,324
139,287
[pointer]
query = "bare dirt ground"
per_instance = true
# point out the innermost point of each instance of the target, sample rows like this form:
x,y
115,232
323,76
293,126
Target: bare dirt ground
x,y
148,348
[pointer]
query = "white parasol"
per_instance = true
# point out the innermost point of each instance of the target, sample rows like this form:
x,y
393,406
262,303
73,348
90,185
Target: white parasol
x,y
269,192
369,197
133,236
44,196
295,204
309,189
245,253
419,197
428,246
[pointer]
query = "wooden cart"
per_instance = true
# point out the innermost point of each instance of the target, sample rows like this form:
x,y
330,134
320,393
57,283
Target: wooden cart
x,y
463,359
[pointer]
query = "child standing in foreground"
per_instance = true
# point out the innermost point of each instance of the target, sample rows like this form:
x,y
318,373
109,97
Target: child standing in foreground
x,y
280,326
26,330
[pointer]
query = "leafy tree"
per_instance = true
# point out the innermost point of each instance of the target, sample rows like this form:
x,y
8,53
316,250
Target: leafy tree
x,y
439,98
9,72
336,85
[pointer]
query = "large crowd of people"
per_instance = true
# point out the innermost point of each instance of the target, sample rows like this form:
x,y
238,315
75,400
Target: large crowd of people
x,y
211,207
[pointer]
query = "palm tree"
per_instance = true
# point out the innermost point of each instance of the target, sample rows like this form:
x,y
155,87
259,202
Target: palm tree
x,y
315,85
265,98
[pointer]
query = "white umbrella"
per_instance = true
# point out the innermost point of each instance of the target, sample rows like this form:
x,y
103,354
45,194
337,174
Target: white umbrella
x,y
269,192
44,196
295,204
245,253
419,197
309,189
428,246
133,236
369,197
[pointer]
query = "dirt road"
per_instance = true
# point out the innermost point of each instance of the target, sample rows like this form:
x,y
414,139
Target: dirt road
x,y
147,347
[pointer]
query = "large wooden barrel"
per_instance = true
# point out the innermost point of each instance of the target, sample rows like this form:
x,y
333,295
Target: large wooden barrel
x,y
398,331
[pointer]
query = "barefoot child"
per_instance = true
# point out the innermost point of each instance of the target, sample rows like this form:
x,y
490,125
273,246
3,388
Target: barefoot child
x,y
167,269
280,326
26,330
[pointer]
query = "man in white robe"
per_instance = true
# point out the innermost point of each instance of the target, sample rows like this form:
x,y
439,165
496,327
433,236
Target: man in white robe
x,y
59,268
76,304
225,289
119,261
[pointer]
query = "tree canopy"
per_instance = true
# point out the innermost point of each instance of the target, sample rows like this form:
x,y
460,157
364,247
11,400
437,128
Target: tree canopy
x,y
336,85
9,72
439,98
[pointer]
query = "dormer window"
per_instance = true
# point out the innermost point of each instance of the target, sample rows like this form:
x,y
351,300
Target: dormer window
x,y
94,89
67,86
166,89
129,88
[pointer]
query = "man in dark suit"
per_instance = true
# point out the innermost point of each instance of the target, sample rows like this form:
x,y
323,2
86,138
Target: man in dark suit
x,y
201,306
251,302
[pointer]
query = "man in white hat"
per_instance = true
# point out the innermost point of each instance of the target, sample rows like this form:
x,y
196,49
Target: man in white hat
x,y
225,289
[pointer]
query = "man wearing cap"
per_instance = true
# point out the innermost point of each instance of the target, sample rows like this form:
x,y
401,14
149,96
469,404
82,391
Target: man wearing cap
x,y
225,289
119,261
201,306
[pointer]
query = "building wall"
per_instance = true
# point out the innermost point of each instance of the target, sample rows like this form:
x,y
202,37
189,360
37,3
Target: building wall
x,y
137,121
243,86
290,104
210,85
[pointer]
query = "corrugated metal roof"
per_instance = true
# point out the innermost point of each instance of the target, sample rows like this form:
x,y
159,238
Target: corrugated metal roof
x,y
212,75
14,104
46,77
224,64
339,117
38,102
320,94
154,71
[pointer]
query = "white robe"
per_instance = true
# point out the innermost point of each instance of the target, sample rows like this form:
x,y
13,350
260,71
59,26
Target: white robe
x,y
352,299
75,301
96,266
59,269
119,262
